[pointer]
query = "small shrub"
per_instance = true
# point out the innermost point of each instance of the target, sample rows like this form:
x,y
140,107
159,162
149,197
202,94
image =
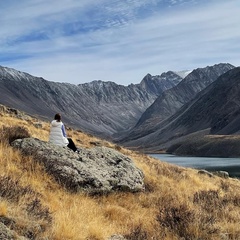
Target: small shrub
x,y
118,148
36,209
236,201
232,198
11,189
9,134
30,203
225,186
176,219
206,196
149,187
209,200
137,234
186,223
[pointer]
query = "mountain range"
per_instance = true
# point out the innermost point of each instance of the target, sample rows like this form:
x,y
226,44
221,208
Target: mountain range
x,y
214,110
171,100
151,115
101,108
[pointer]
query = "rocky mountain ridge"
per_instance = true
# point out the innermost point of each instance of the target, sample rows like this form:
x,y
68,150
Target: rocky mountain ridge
x,y
101,108
171,100
215,110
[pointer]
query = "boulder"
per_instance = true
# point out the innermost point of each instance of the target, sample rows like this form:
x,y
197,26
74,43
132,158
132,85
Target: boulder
x,y
222,174
96,171
116,237
205,172
7,234
38,125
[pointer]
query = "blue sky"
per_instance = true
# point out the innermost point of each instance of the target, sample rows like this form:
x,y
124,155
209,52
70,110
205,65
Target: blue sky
x,y
79,41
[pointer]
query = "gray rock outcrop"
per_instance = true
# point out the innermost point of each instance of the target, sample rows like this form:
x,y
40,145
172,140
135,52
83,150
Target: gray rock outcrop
x,y
205,172
5,233
222,174
8,234
116,237
97,171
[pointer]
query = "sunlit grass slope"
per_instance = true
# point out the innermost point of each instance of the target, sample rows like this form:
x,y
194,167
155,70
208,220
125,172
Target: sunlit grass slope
x,y
178,203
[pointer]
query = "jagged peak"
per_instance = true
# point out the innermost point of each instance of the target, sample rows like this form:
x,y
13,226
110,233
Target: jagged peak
x,y
218,65
17,75
221,64
12,71
147,77
164,76
99,84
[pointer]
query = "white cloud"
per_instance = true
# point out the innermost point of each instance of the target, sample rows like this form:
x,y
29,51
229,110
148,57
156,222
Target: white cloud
x,y
117,44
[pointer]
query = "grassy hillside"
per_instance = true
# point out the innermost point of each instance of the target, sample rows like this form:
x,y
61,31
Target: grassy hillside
x,y
178,203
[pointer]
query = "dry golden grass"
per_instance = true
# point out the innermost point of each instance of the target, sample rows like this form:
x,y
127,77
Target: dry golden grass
x,y
178,203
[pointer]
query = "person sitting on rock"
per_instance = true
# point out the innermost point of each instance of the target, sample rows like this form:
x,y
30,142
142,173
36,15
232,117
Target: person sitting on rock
x,y
58,134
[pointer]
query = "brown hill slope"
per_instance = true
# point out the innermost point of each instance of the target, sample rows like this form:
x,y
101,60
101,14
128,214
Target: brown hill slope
x,y
177,203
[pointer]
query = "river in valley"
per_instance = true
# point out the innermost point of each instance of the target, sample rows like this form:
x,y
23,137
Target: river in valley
x,y
231,165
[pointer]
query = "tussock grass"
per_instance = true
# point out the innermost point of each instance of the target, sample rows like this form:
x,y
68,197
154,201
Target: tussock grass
x,y
9,134
177,204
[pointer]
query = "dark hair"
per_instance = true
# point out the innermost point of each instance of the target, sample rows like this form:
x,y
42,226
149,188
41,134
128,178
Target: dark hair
x,y
57,117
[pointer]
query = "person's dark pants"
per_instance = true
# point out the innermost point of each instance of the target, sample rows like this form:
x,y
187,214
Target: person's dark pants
x,y
72,145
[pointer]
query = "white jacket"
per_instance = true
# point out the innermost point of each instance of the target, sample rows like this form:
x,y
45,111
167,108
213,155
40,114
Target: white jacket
x,y
57,132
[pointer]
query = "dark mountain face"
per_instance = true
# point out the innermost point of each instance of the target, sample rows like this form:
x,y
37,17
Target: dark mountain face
x,y
215,110
218,107
101,108
171,100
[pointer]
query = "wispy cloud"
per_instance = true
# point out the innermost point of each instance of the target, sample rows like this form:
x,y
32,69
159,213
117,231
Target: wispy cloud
x,y
121,41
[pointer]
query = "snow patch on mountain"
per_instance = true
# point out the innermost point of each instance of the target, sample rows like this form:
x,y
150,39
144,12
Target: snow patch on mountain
x,y
183,73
